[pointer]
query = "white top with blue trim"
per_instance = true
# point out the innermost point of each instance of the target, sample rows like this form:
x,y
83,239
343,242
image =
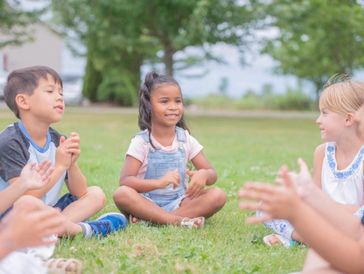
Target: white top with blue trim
x,y
344,186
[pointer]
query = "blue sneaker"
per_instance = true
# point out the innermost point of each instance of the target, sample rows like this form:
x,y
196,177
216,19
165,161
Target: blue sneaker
x,y
104,225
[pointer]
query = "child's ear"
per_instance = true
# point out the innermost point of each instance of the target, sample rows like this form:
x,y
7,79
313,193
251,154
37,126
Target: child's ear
x,y
349,119
21,101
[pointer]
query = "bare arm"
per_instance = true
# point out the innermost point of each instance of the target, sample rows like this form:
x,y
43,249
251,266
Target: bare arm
x,y
10,194
128,177
204,175
76,183
201,163
318,158
342,251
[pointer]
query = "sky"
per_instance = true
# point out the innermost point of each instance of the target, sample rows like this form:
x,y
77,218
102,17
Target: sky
x,y
240,79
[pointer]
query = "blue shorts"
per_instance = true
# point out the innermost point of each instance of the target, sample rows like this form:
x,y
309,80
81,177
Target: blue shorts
x,y
62,203
65,201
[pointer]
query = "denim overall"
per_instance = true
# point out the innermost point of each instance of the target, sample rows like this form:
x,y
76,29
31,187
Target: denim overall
x,y
159,163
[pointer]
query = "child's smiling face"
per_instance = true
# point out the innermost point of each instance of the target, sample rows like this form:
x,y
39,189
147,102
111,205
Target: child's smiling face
x,y
167,105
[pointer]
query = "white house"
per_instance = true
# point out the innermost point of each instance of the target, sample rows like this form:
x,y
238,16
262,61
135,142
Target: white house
x,y
46,48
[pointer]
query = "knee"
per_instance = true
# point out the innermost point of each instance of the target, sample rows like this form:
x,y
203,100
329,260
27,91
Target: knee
x,y
29,202
218,197
123,195
97,196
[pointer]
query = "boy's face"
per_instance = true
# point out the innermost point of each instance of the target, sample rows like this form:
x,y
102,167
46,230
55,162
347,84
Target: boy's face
x,y
46,103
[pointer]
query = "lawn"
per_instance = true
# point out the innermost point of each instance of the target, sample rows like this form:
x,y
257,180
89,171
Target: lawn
x,y
240,149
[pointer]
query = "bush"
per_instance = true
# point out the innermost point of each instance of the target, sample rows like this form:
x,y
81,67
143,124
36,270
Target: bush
x,y
118,88
291,100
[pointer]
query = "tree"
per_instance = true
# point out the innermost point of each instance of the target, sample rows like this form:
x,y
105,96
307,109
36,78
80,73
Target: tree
x,y
122,35
13,23
316,38
177,25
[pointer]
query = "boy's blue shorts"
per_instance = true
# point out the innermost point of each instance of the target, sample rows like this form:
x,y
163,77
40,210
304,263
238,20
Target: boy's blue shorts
x,y
65,201
62,203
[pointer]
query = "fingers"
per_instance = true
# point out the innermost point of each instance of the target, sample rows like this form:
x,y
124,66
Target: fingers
x,y
302,164
256,196
194,190
190,173
62,139
259,187
43,167
288,180
258,220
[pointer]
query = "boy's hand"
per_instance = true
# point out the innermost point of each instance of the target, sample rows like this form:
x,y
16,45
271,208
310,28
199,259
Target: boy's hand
x,y
35,177
73,146
170,178
63,157
278,202
198,180
26,227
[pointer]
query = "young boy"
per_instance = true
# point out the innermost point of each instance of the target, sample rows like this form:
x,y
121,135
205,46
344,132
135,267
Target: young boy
x,y
34,94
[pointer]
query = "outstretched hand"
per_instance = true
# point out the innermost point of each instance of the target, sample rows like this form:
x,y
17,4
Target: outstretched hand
x,y
301,180
276,201
35,177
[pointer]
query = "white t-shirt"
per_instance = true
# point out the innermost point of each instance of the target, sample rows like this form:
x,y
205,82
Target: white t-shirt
x,y
139,150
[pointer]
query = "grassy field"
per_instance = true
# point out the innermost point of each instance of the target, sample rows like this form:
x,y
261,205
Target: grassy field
x,y
240,149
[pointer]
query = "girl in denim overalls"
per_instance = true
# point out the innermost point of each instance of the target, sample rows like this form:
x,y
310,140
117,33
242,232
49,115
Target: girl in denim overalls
x,y
154,180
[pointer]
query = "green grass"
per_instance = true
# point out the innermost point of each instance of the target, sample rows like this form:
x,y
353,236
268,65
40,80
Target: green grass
x,y
240,149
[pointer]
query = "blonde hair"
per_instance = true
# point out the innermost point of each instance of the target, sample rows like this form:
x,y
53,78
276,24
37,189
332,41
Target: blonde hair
x,y
343,97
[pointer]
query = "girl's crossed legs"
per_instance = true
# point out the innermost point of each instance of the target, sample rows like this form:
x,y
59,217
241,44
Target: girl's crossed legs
x,y
131,202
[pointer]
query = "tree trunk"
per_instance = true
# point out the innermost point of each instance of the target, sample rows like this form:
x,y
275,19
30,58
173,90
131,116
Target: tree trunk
x,y
91,80
168,57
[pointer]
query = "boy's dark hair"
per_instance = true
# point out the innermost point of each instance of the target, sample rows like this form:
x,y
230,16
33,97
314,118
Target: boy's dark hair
x,y
26,80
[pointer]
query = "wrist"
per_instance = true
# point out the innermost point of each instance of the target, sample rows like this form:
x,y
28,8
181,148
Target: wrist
x,y
309,192
295,210
60,168
73,165
160,183
22,185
